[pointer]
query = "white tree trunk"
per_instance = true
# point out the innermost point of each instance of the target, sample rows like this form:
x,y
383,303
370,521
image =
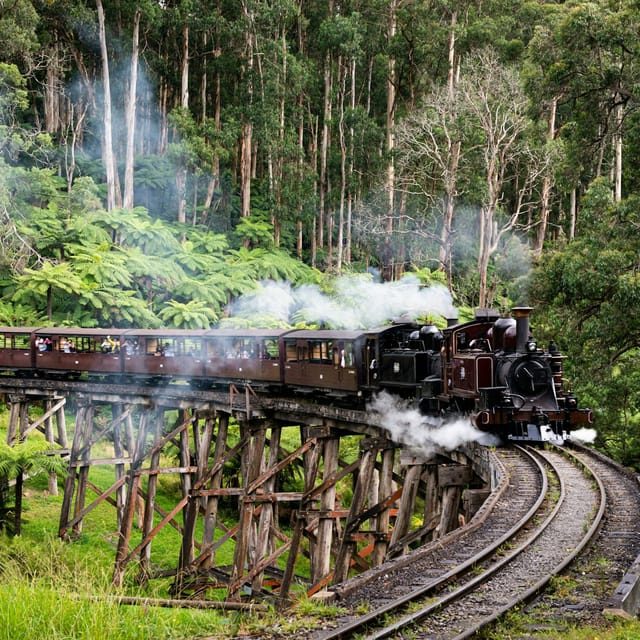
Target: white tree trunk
x,y
107,147
181,176
128,199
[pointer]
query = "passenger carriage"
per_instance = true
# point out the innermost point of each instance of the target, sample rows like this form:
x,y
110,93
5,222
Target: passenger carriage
x,y
72,351
332,361
159,353
247,355
16,353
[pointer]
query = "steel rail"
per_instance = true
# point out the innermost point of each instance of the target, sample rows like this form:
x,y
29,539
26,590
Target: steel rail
x,y
346,630
527,595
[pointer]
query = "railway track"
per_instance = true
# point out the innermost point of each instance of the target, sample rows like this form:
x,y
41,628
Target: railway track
x,y
467,584
599,570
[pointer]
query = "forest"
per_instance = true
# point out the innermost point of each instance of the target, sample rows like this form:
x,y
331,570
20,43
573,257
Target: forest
x,y
159,160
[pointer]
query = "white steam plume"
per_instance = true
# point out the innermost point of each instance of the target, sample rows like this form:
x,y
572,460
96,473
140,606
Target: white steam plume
x,y
357,303
584,435
427,435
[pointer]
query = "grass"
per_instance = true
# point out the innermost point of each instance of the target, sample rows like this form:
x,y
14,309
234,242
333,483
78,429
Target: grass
x,y
51,590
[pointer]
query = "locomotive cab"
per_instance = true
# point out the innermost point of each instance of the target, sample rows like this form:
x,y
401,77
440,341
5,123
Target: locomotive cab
x,y
410,361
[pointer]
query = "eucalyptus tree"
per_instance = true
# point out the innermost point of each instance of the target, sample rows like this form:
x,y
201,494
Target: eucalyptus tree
x,y
429,153
585,61
507,162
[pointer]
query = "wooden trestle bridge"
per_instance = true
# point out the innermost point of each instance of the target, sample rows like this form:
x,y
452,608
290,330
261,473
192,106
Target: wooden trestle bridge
x,y
288,539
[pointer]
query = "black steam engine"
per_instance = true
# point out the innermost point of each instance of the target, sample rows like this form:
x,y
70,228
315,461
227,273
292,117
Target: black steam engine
x,y
492,370
489,370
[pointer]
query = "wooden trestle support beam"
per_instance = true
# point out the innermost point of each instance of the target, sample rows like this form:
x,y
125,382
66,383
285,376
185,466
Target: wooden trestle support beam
x,y
283,543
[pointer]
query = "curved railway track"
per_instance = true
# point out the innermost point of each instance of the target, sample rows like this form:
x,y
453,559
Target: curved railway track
x,y
482,578
597,572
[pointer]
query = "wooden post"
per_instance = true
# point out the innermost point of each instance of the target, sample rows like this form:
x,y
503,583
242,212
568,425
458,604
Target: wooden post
x,y
407,504
124,537
431,503
192,508
349,544
251,463
61,422
15,402
450,504
185,459
264,539
149,507
211,512
452,478
311,464
118,451
82,462
70,480
385,489
49,436
322,558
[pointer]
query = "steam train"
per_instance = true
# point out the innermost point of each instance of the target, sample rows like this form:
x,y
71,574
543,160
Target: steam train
x,y
489,369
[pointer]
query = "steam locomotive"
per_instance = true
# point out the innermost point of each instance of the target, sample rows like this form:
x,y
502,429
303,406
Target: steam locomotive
x,y
489,369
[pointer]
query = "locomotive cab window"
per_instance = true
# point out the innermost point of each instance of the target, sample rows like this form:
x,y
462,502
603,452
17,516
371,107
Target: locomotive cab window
x,y
461,341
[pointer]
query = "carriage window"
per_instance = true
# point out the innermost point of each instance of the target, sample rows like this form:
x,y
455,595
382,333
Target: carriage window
x,y
321,352
218,348
19,341
348,355
291,353
191,347
270,349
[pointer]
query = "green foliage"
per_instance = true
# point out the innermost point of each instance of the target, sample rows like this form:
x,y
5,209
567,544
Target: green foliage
x,y
28,457
195,314
586,289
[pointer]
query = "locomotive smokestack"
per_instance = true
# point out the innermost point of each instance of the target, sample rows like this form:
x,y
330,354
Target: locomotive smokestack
x,y
521,314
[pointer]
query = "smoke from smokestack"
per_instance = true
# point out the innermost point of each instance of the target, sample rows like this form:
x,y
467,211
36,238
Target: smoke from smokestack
x,y
356,303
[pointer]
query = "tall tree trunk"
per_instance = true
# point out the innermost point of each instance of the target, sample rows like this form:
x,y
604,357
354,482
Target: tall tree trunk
x,y
246,142
52,92
445,257
181,176
350,190
390,141
281,135
342,141
325,139
617,146
545,192
573,213
113,198
128,200
214,179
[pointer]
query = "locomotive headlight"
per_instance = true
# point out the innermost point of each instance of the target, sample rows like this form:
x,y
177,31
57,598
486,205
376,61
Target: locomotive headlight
x,y
531,346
